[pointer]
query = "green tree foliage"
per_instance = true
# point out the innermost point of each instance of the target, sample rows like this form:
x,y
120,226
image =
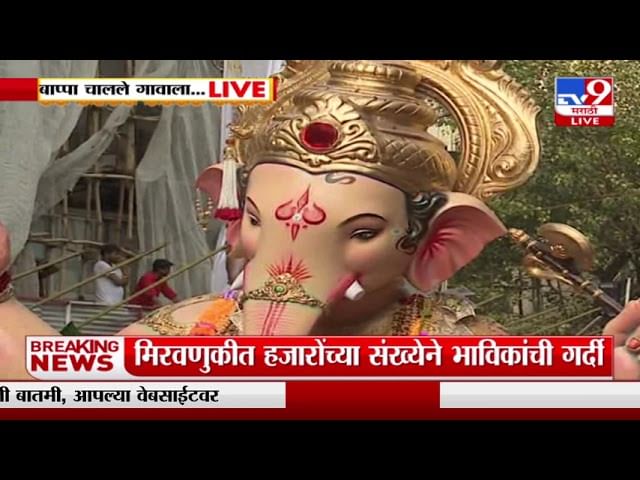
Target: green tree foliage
x,y
588,177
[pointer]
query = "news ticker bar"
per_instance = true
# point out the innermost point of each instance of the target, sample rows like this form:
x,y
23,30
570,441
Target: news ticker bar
x,y
142,395
152,91
314,358
320,400
496,395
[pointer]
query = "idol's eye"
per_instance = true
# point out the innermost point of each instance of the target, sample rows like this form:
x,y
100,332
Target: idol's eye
x,y
364,234
253,220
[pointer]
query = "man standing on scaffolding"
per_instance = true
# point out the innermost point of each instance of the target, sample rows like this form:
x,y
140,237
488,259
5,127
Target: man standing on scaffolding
x,y
110,288
150,298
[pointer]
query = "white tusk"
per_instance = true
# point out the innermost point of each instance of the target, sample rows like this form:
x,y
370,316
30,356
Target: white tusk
x,y
237,283
355,291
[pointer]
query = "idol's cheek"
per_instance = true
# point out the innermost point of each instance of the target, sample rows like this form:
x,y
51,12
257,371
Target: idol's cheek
x,y
249,239
377,264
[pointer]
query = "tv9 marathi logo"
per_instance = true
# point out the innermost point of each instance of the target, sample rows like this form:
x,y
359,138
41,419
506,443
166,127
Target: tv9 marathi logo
x,y
584,102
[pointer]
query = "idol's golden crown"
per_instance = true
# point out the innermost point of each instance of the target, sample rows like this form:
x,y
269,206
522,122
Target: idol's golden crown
x,y
371,118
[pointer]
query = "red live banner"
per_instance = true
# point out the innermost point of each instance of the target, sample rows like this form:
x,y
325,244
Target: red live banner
x,y
320,358
18,89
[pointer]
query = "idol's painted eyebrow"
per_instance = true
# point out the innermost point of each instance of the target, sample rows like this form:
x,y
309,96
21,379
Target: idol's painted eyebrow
x,y
361,216
253,204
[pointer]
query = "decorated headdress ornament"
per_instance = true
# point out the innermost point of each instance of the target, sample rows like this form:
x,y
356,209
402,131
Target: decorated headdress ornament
x,y
371,118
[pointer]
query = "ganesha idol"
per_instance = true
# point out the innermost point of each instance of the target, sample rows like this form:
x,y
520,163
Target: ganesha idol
x,y
344,206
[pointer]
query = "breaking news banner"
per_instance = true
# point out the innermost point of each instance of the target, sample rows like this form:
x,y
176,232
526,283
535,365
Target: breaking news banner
x,y
584,102
337,378
316,358
152,91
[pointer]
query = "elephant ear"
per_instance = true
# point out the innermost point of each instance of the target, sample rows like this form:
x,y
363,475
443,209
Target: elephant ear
x,y
5,249
211,182
456,236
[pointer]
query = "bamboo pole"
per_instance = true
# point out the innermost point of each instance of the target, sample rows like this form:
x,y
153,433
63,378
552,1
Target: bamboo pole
x,y
586,328
520,299
129,67
93,125
528,318
129,166
65,215
130,147
489,300
564,322
107,176
82,217
150,118
65,232
89,200
180,271
31,271
559,290
130,212
56,281
121,199
99,219
95,277
155,118
90,243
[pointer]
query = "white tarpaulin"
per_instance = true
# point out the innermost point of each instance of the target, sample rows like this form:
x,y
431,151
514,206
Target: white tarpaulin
x,y
184,143
30,137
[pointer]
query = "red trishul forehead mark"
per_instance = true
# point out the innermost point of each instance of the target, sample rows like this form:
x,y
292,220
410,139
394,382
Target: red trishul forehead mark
x,y
299,214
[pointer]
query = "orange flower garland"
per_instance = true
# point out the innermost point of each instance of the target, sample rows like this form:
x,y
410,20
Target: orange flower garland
x,y
214,318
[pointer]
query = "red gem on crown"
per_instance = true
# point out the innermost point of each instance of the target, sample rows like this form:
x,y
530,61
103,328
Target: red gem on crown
x,y
319,137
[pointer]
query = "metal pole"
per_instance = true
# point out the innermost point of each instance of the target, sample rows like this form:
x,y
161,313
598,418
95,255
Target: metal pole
x,y
95,277
180,271
46,265
564,322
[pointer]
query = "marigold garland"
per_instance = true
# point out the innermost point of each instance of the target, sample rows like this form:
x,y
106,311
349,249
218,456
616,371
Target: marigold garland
x,y
214,318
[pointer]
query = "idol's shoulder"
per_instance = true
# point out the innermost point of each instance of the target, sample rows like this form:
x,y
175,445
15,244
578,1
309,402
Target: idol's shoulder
x,y
448,314
203,315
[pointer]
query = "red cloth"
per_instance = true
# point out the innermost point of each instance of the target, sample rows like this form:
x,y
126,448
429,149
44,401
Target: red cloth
x,y
148,299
